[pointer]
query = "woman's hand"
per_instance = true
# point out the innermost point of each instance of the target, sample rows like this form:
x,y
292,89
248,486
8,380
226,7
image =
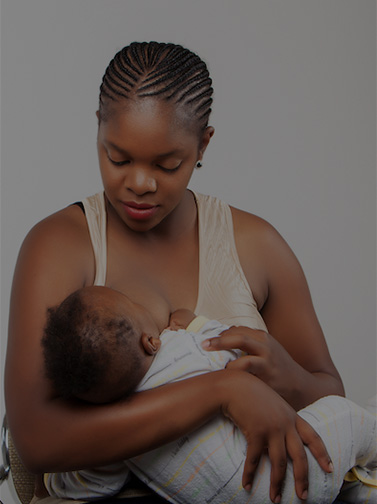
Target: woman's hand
x,y
266,358
270,424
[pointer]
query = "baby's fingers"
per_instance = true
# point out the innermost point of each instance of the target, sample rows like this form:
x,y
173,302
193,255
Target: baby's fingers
x,y
315,444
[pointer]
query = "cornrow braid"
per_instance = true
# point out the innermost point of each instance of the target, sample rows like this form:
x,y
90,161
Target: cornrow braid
x,y
165,70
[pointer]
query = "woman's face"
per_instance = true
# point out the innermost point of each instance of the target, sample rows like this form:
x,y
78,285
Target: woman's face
x,y
147,154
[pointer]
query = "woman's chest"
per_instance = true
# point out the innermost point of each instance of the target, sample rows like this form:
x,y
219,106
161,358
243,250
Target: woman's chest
x,y
161,278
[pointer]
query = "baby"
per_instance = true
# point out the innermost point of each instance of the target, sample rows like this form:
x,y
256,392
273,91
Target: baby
x,y
99,347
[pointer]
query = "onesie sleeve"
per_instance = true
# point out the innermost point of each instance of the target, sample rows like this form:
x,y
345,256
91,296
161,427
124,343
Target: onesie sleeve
x,y
197,324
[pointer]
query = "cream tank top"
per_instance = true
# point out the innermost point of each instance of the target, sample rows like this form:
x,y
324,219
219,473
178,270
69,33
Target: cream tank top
x,y
224,293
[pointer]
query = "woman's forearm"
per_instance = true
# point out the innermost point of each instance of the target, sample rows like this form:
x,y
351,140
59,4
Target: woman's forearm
x,y
307,387
60,436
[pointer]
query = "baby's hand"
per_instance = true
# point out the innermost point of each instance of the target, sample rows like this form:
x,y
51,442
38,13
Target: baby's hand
x,y
180,319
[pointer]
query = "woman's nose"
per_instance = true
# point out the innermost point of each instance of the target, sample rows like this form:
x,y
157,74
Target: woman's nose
x,y
140,180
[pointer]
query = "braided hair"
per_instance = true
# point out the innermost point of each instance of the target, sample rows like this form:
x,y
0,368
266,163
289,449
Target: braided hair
x,y
166,70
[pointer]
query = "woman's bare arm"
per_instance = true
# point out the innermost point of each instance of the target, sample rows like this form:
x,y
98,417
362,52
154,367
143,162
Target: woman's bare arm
x,y
302,360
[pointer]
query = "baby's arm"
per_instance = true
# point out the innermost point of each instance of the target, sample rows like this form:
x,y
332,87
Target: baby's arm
x,y
180,319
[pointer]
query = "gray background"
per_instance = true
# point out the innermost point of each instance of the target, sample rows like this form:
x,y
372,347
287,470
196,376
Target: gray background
x,y
295,120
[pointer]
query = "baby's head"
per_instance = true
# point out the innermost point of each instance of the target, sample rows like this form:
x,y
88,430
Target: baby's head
x,y
98,345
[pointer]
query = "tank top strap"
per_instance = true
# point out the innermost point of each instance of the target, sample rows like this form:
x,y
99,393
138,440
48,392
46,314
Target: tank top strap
x,y
224,292
95,212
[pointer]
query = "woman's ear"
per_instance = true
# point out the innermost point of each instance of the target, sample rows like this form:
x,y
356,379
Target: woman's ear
x,y
207,135
150,344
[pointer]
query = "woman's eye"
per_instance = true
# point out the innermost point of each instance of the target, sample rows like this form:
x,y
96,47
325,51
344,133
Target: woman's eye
x,y
117,163
169,170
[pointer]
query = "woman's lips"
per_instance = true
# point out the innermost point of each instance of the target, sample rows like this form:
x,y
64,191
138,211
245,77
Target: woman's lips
x,y
139,211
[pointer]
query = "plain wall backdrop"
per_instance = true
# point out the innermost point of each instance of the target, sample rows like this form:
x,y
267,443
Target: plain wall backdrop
x,y
295,141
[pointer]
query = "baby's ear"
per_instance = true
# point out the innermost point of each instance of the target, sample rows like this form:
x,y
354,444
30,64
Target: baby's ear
x,y
150,344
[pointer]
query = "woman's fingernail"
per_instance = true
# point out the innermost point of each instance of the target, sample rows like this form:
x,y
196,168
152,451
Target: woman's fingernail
x,y
304,495
247,487
277,499
206,344
331,467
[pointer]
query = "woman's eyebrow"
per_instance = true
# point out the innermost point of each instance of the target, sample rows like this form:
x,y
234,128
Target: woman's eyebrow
x,y
174,152
115,147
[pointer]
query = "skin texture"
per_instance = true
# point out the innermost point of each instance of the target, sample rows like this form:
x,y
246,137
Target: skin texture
x,y
180,319
154,261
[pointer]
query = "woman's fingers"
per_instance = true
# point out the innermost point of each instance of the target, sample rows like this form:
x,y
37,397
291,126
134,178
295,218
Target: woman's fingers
x,y
296,451
315,444
278,457
245,339
268,422
253,455
305,434
280,446
249,363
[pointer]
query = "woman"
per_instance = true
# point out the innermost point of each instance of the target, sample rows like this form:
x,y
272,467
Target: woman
x,y
169,249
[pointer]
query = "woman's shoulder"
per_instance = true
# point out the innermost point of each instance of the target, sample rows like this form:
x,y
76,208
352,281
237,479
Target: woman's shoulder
x,y
61,238
68,222
262,251
255,234
251,232
245,221
249,226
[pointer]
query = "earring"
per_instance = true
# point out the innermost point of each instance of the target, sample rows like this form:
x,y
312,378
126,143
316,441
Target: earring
x,y
199,164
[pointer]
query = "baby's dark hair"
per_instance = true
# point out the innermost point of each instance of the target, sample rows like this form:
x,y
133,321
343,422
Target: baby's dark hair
x,y
163,70
88,351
